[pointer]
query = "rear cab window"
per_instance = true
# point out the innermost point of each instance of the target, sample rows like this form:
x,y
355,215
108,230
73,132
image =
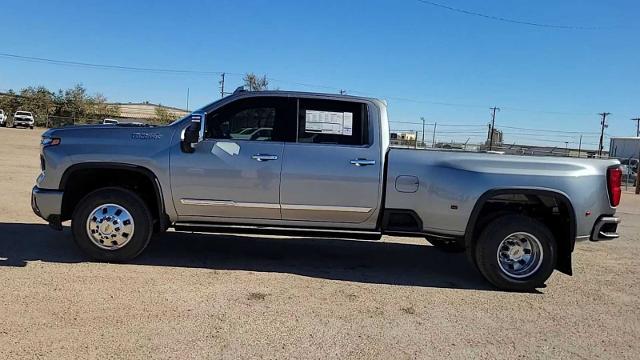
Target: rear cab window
x,y
338,122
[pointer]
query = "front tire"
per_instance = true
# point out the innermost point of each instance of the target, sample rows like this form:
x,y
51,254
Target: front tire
x,y
112,224
516,252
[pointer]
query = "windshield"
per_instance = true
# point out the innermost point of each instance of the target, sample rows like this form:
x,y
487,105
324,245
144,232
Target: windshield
x,y
23,113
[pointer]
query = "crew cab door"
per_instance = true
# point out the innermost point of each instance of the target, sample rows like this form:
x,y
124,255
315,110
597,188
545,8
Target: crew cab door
x,y
235,171
332,174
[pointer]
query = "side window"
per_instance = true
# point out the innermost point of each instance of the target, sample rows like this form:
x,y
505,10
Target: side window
x,y
256,119
332,122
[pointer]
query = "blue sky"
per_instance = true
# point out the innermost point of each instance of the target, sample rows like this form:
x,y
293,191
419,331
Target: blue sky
x,y
415,55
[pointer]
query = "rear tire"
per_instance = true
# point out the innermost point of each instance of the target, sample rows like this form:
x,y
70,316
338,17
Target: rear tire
x,y
516,252
112,224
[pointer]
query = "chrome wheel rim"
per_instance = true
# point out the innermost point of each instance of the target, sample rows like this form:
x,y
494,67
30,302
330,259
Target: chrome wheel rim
x,y
110,226
520,255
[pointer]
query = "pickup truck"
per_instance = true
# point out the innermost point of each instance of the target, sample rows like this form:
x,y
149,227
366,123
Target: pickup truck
x,y
23,118
323,168
3,119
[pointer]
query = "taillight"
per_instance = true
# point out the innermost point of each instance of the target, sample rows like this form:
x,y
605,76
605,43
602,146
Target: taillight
x,y
614,185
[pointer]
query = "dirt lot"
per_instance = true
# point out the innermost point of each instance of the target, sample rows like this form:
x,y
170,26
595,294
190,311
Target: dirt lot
x,y
197,296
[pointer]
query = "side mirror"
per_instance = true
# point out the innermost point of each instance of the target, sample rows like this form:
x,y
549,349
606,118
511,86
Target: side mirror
x,y
194,133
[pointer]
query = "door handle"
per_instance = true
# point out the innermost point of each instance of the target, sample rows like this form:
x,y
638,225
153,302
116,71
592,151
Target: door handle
x,y
362,162
264,157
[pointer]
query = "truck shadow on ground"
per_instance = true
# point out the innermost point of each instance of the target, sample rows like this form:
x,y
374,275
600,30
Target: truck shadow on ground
x,y
348,260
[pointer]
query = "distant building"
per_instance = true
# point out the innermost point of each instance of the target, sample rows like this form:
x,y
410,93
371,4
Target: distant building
x,y
145,111
497,137
403,138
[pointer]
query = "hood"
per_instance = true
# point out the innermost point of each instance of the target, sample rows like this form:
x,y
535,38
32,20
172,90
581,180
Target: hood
x,y
110,134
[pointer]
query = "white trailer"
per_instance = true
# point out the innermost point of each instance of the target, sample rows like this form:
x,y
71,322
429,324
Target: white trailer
x,y
624,147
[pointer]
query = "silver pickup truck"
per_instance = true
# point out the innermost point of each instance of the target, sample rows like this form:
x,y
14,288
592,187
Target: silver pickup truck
x,y
320,165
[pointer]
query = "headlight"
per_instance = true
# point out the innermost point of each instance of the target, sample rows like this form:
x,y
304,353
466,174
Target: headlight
x,y
49,141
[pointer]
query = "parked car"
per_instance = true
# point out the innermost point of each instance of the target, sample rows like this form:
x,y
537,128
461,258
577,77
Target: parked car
x,y
3,119
110,122
23,118
253,134
326,169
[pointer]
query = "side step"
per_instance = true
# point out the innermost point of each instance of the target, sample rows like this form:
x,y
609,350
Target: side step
x,y
277,230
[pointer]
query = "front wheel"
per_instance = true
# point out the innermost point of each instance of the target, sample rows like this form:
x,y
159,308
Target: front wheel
x,y
516,252
112,224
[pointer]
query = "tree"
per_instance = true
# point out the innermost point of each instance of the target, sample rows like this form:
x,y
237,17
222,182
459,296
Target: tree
x,y
39,101
9,102
255,83
99,108
163,116
76,103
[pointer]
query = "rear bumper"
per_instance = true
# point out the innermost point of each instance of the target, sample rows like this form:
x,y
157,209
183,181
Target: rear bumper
x,y
47,204
606,228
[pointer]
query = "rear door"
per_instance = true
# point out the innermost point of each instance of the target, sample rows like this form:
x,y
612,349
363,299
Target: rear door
x,y
332,173
235,172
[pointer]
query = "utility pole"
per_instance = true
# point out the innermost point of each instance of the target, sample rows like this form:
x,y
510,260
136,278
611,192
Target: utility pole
x,y
603,125
637,120
221,82
580,146
422,131
493,126
433,140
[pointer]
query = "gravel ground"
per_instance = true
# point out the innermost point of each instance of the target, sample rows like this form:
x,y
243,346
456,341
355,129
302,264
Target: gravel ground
x,y
235,296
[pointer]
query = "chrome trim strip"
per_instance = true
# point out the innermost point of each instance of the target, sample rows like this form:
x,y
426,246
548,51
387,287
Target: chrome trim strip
x,y
203,202
267,227
326,208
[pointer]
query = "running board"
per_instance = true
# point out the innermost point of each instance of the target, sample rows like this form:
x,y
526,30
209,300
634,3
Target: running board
x,y
277,230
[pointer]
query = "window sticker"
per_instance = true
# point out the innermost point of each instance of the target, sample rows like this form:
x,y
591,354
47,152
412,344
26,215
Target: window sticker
x,y
329,122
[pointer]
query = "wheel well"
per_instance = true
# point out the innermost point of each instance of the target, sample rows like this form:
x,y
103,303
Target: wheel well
x,y
78,182
552,209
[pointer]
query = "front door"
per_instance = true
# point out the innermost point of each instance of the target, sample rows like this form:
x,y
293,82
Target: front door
x,y
235,172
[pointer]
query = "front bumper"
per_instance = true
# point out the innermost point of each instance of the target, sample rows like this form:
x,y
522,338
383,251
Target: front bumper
x,y
606,228
47,204
23,122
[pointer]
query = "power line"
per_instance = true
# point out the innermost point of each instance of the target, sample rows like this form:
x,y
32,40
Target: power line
x,y
219,73
549,130
508,20
104,66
